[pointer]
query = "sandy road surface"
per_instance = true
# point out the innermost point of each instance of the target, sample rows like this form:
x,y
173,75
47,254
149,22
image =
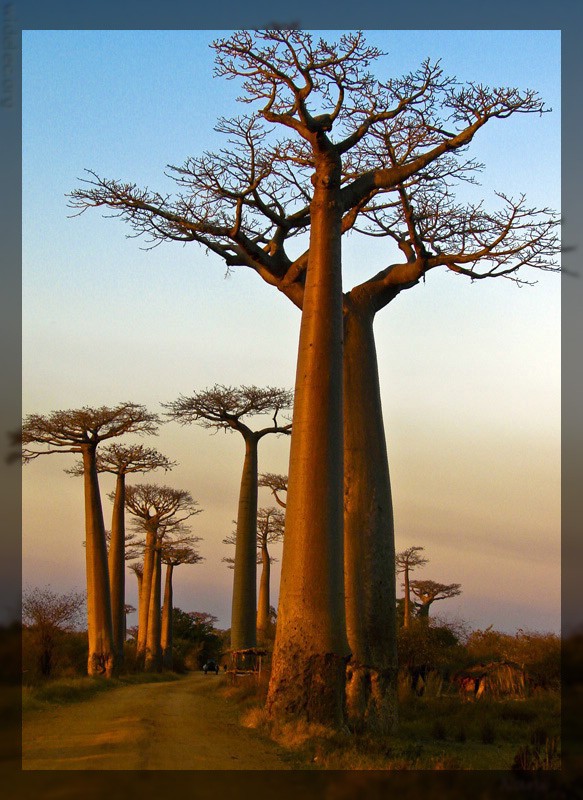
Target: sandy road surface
x,y
179,725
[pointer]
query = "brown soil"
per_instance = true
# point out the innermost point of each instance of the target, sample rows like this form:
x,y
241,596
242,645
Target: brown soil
x,y
179,725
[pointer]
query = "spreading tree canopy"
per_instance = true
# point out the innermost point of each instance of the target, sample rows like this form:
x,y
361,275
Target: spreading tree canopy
x,y
327,148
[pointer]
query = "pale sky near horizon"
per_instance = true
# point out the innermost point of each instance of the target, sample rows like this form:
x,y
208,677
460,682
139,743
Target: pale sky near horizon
x,y
470,374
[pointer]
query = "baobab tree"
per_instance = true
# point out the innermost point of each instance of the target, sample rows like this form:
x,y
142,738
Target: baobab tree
x,y
276,484
406,561
138,570
173,554
121,460
127,609
427,592
225,407
80,431
270,525
159,510
358,149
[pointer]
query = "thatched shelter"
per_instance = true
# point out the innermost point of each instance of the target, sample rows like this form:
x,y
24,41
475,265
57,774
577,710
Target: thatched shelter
x,y
245,663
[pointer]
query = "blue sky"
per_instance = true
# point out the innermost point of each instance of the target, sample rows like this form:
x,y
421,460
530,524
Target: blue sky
x,y
470,373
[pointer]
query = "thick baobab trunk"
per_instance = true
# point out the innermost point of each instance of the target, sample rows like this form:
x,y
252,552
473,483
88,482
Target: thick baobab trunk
x,y
116,563
407,600
369,548
145,592
244,606
310,653
101,657
139,578
166,637
153,656
263,601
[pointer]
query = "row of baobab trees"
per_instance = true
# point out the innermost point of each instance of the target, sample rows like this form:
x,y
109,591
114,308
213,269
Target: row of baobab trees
x,y
160,514
328,148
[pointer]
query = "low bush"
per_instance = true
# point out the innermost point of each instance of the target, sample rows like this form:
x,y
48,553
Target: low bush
x,y
61,691
434,733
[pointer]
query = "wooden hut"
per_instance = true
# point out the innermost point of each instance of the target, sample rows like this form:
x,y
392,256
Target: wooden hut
x,y
246,663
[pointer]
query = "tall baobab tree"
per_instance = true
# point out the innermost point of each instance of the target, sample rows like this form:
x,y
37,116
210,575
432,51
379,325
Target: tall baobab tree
x,y
173,554
159,510
121,460
358,148
427,592
127,609
138,570
81,431
406,561
225,407
137,567
270,525
276,484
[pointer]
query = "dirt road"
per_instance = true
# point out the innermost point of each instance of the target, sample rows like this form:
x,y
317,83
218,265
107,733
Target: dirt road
x,y
179,725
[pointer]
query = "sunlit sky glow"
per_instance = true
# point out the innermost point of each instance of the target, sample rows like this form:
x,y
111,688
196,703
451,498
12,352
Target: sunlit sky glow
x,y
470,374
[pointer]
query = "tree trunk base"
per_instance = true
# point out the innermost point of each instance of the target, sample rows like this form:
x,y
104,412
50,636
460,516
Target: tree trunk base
x,y
371,699
101,664
152,663
308,688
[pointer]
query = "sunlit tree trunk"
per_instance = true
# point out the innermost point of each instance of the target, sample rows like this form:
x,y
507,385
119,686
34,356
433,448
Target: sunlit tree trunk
x,y
407,599
369,556
310,653
244,606
145,592
166,637
101,657
116,563
139,577
153,656
263,601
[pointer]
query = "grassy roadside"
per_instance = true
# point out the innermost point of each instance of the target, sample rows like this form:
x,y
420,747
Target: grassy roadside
x,y
61,691
435,733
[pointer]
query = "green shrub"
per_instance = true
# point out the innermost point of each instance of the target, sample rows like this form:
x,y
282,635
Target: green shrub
x,y
68,655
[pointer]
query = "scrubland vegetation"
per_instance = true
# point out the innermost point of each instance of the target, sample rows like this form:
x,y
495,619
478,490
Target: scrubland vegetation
x,y
513,724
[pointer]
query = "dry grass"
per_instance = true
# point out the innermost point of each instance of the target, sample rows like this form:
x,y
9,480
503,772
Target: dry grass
x,y
435,733
74,690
